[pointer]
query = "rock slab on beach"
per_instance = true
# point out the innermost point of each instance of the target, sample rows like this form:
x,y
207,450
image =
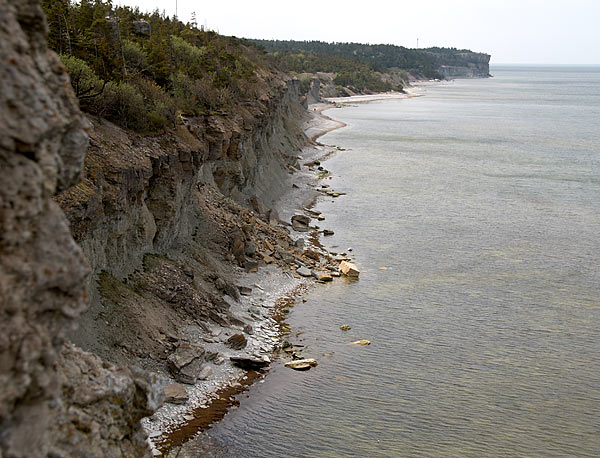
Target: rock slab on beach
x,y
304,272
237,342
250,362
175,394
300,223
302,364
349,269
186,363
323,276
245,291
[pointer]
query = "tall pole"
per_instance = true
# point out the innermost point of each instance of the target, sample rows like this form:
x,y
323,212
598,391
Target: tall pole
x,y
175,9
417,43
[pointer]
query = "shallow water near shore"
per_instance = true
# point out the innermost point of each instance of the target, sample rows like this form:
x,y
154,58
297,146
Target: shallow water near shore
x,y
482,200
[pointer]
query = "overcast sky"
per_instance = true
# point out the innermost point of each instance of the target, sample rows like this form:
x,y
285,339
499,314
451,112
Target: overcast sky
x,y
512,31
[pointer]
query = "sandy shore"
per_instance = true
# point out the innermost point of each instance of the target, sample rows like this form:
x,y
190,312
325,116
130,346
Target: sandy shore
x,y
413,91
320,123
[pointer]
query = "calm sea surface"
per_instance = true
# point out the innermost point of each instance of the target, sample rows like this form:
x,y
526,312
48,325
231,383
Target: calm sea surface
x,y
482,199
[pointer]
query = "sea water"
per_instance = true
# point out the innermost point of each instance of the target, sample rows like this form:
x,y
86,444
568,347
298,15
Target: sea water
x,y
474,215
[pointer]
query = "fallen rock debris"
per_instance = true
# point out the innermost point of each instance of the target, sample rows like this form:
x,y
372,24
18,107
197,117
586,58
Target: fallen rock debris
x,y
175,394
186,363
349,269
300,223
237,342
302,364
250,362
362,342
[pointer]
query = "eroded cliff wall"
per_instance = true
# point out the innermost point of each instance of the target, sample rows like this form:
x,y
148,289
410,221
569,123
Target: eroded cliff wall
x,y
50,393
465,65
146,247
142,203
56,399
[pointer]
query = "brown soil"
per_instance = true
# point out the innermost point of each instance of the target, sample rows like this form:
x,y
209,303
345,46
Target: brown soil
x,y
205,417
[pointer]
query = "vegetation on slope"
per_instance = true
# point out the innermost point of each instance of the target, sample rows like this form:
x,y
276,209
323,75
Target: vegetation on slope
x,y
350,72
141,70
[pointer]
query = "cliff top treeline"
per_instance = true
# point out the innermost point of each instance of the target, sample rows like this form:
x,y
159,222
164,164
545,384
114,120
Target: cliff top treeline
x,y
141,70
311,56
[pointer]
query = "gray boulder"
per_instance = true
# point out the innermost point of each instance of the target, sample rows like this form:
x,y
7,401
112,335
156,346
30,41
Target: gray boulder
x,y
304,272
250,362
141,28
186,363
300,223
175,394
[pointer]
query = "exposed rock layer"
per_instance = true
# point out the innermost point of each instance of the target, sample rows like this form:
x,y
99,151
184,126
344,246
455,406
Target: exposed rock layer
x,y
464,65
42,270
55,400
148,219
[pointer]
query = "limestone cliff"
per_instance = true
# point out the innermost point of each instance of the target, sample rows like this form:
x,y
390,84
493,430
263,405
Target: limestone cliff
x,y
152,234
43,272
463,65
142,209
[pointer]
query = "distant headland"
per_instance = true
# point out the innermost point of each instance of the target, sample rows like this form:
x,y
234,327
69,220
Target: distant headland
x,y
377,68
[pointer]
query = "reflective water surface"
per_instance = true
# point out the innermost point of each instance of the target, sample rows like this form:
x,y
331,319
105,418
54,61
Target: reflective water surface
x,y
482,199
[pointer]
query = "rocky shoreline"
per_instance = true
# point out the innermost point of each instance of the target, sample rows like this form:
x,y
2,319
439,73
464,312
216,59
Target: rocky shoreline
x,y
293,260
142,264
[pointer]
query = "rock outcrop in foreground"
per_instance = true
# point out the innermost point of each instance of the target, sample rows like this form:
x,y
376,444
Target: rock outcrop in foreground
x,y
55,400
95,299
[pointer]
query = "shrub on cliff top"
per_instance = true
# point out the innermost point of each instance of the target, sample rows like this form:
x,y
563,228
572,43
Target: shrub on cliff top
x,y
123,104
161,107
136,59
186,56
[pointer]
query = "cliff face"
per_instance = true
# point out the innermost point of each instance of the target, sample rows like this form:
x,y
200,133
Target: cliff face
x,y
50,393
464,65
42,270
137,196
142,210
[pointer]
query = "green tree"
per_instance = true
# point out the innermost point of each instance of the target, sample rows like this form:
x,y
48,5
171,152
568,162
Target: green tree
x,y
84,80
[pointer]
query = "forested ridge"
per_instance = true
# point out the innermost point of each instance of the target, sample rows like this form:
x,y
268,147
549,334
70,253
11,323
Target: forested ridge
x,y
140,70
322,56
349,71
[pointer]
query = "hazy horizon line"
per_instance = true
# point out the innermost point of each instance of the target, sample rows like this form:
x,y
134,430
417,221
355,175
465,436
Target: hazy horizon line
x,y
529,64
